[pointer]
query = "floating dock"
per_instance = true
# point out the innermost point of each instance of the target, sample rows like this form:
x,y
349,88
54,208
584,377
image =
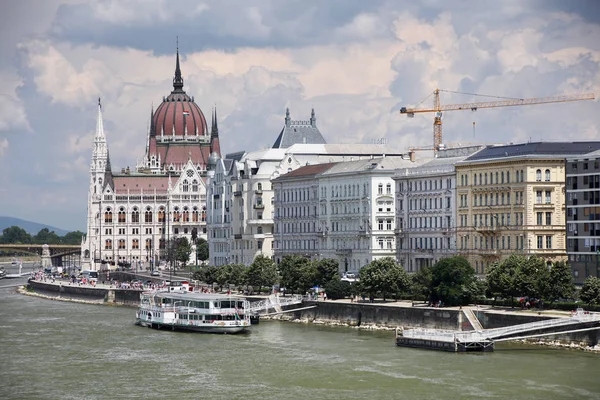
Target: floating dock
x,y
483,339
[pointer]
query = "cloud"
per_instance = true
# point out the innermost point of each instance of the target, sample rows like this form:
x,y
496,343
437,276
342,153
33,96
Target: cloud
x,y
3,146
12,111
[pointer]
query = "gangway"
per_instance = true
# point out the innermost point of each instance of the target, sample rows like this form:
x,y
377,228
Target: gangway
x,y
274,302
473,319
483,339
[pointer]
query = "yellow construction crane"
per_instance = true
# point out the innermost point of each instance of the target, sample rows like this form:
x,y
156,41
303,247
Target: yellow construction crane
x,y
438,108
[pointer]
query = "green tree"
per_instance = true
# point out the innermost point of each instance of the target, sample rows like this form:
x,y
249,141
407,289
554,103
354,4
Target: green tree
x,y
183,250
45,236
337,289
73,238
327,269
15,235
531,277
202,249
502,279
385,276
421,283
453,281
291,269
208,274
262,273
560,282
590,292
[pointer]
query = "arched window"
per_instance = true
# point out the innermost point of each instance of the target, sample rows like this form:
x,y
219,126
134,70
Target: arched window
x,y
194,185
135,216
135,244
185,186
122,216
259,186
186,214
547,175
148,244
148,216
388,188
522,176
538,175
176,215
121,244
108,216
195,214
203,214
161,214
108,244
380,188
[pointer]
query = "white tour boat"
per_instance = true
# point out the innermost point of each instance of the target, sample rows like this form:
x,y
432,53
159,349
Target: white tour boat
x,y
193,311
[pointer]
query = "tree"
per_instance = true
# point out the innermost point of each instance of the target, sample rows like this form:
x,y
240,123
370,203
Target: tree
x,y
45,236
73,238
15,235
337,289
453,281
202,249
502,277
385,276
291,269
327,269
590,292
560,282
183,250
262,272
420,284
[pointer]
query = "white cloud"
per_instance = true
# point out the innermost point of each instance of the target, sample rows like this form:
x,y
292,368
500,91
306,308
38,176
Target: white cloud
x,y
12,110
3,146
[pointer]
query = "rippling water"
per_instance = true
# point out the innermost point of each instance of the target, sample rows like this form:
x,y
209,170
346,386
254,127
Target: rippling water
x,y
59,350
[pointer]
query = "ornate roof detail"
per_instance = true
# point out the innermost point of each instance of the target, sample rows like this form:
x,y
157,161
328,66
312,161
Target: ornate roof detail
x,y
299,132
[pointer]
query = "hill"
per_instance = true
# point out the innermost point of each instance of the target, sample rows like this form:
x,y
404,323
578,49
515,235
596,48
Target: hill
x,y
30,227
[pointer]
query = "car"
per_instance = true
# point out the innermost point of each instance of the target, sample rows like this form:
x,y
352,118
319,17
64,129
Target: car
x,y
155,273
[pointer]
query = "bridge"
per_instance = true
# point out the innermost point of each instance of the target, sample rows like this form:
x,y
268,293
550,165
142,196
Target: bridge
x,y
484,339
274,302
56,251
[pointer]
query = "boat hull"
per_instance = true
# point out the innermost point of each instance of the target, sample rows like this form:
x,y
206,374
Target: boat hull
x,y
194,328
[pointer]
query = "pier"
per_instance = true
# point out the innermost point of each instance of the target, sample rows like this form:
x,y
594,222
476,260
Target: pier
x,y
484,339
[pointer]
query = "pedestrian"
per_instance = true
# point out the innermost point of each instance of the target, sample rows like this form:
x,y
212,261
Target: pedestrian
x,y
324,296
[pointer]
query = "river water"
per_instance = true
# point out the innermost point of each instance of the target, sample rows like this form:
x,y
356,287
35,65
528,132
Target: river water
x,y
59,350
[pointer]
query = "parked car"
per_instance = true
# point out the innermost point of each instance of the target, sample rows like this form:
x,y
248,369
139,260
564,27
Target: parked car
x,y
155,273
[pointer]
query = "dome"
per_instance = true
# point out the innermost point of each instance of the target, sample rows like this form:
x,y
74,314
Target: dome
x,y
178,114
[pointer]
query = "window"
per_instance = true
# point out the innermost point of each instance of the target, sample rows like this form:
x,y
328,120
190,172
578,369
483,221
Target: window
x,y
548,218
380,188
538,175
548,242
538,197
548,197
148,244
135,244
148,216
388,188
135,216
108,216
540,242
547,175
108,244
122,216
185,186
540,218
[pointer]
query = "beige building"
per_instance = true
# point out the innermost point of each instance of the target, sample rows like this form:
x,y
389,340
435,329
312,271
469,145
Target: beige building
x,y
511,199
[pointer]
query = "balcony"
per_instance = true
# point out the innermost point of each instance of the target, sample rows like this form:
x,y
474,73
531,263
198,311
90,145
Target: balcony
x,y
487,229
543,205
217,196
237,193
343,251
259,206
237,236
258,191
261,221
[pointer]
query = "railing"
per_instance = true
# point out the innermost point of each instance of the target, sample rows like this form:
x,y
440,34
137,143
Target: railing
x,y
274,302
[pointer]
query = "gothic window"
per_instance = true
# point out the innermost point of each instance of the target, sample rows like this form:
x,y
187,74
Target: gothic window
x,y
135,244
108,244
148,244
195,214
135,216
122,215
108,216
161,214
148,216
204,213
186,215
185,186
176,215
194,185
121,244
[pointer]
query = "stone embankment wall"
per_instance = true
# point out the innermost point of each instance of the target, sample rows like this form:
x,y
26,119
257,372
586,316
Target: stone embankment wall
x,y
115,296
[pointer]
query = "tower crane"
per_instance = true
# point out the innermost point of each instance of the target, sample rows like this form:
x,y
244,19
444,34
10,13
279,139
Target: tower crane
x,y
438,108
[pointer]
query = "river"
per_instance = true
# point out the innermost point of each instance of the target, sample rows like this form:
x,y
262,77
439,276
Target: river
x,y
60,350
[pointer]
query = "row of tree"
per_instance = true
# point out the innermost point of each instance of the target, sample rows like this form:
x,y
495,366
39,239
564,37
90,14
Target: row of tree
x,y
18,235
451,281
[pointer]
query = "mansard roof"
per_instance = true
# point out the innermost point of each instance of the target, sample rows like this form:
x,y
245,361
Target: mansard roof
x,y
295,132
534,149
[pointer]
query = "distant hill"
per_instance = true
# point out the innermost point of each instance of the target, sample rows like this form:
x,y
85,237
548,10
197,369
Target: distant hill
x,y
30,227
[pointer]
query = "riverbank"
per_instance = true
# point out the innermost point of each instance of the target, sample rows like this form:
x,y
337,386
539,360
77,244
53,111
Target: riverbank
x,y
376,316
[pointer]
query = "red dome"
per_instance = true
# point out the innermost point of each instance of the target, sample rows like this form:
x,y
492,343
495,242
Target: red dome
x,y
179,111
178,114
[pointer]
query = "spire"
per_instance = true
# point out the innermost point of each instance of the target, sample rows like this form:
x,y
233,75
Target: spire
x,y
287,117
177,80
152,126
313,119
214,132
99,124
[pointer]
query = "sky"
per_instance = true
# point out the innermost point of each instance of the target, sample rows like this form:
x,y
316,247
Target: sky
x,y
355,62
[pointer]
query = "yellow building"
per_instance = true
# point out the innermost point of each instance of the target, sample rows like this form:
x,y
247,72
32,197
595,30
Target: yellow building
x,y
511,199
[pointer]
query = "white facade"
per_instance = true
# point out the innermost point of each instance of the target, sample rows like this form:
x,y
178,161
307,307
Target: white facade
x,y
344,211
131,215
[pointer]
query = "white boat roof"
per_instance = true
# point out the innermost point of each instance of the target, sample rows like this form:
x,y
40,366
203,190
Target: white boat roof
x,y
193,296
